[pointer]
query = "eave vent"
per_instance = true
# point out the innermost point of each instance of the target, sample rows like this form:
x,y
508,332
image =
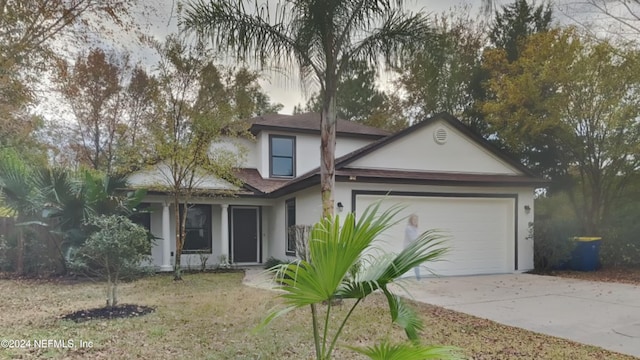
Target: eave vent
x,y
440,135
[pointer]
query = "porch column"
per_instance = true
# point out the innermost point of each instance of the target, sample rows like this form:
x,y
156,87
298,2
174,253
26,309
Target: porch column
x,y
224,230
166,239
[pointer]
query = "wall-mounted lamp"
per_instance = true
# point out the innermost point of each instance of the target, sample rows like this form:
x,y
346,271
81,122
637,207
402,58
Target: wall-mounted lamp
x,y
527,209
340,207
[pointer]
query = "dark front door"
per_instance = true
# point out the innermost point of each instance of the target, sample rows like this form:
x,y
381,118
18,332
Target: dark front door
x,y
245,228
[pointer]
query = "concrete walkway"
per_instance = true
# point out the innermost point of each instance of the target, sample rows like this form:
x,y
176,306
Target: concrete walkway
x,y
606,315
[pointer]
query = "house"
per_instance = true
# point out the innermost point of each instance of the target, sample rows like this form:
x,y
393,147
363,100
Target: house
x,y
451,178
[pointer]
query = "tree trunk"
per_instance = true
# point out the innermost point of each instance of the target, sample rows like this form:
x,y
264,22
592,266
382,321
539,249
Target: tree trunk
x,y
328,151
114,292
177,270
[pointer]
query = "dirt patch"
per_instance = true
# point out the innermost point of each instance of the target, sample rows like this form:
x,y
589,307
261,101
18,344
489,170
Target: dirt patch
x,y
116,312
623,275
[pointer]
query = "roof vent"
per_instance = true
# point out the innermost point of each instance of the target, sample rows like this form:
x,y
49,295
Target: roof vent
x,y
440,135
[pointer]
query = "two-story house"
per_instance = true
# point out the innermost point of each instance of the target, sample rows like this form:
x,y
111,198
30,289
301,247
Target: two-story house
x,y
452,179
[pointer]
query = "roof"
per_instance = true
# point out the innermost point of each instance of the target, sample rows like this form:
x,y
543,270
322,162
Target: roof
x,y
255,185
253,181
343,172
348,158
310,123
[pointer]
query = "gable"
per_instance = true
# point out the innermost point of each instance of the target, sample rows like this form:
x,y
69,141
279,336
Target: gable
x,y
437,146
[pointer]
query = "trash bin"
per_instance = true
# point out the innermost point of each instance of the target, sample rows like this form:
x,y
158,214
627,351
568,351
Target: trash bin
x,y
586,254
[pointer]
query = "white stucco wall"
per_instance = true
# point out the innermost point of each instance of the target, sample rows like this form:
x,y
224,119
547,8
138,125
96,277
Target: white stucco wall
x,y
160,177
245,148
193,260
309,210
307,150
419,151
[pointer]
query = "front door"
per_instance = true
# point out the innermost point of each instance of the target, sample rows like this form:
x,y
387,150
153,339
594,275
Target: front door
x,y
245,239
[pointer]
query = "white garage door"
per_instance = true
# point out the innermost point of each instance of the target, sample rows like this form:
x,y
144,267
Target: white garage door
x,y
481,230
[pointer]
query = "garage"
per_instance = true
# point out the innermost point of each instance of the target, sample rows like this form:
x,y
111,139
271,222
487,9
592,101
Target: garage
x,y
481,227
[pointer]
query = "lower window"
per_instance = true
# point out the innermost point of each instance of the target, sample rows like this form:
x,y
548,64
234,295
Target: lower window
x,y
290,213
198,230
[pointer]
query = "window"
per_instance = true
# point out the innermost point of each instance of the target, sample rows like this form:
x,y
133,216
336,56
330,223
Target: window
x,y
282,151
290,214
142,216
198,230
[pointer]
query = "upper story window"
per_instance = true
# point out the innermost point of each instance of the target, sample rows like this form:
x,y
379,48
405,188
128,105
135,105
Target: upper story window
x,y
282,150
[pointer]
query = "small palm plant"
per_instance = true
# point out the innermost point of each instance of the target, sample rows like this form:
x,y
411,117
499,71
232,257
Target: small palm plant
x,y
335,248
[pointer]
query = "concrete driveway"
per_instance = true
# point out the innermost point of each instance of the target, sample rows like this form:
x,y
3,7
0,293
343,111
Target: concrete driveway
x,y
602,314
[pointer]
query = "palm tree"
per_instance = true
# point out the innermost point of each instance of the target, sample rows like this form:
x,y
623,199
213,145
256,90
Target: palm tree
x,y
321,37
337,247
19,192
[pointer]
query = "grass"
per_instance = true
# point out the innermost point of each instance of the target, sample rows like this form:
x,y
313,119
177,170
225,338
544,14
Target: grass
x,y
211,316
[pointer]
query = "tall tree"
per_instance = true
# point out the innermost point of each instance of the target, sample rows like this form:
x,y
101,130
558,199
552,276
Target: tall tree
x,y
441,76
194,108
321,37
358,97
578,97
93,87
28,29
515,22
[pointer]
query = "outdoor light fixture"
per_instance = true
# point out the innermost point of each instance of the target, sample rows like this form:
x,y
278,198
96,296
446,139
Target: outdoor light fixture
x,y
527,209
340,207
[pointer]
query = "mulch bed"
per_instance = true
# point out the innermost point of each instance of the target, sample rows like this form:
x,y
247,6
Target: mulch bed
x,y
116,312
624,275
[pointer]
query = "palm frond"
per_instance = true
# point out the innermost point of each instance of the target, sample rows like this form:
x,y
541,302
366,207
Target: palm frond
x,y
408,351
398,34
230,26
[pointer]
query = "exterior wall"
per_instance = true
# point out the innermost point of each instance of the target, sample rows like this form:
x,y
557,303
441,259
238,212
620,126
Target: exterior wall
x,y
420,151
246,148
193,260
525,195
277,234
307,150
160,177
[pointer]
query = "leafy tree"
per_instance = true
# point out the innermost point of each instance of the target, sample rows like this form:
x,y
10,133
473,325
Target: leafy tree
x,y
93,87
443,75
116,251
579,98
193,108
358,97
516,22
331,272
320,37
140,95
28,30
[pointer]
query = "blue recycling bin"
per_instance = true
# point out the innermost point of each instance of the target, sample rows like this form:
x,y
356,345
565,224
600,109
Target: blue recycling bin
x,y
586,254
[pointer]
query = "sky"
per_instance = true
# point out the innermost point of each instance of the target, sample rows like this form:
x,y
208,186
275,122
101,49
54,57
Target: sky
x,y
160,19
282,87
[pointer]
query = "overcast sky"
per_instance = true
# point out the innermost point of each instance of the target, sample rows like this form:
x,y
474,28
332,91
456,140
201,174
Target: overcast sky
x,y
282,88
159,19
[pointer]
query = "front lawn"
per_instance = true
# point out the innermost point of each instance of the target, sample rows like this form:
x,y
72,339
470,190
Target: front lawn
x,y
211,316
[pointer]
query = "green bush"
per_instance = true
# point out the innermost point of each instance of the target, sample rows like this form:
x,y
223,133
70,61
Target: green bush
x,y
271,262
554,225
620,248
117,251
38,257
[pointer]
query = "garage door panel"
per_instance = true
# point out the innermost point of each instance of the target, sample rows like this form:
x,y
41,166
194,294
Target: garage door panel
x,y
481,230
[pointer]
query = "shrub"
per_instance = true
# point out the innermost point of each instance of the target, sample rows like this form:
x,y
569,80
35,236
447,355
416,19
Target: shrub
x,y
115,252
272,262
551,246
555,224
